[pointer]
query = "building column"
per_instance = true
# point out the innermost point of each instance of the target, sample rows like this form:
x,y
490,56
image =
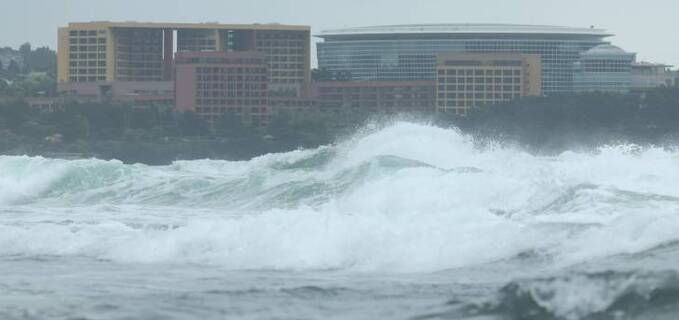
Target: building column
x,y
168,54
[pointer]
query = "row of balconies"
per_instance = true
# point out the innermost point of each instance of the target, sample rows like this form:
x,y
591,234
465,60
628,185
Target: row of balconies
x,y
89,40
458,88
82,33
480,80
92,56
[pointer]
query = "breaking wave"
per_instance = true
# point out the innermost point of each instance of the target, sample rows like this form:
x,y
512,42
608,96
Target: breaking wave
x,y
603,295
405,198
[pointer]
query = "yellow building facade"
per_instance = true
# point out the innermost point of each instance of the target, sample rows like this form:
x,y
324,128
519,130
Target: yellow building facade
x,y
468,80
137,51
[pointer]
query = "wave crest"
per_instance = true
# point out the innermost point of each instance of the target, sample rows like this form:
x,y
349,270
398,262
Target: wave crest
x,y
605,295
407,197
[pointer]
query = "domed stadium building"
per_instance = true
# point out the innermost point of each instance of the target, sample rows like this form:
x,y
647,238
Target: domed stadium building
x,y
409,52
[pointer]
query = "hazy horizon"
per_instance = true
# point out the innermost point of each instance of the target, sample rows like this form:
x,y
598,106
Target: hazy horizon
x,y
37,21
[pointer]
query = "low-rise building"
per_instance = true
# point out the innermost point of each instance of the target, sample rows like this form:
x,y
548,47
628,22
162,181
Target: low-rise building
x,y
147,92
298,100
44,104
467,80
647,75
376,96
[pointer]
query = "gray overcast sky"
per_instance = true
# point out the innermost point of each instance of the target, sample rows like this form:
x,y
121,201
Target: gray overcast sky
x,y
648,27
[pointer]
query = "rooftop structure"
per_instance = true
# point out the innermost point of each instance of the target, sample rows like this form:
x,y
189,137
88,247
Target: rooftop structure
x,y
408,52
178,25
603,68
462,28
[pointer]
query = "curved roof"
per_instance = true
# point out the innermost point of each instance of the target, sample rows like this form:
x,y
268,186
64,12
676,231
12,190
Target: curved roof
x,y
606,49
464,28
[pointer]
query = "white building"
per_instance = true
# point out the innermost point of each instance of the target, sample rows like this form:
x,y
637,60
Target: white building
x,y
647,75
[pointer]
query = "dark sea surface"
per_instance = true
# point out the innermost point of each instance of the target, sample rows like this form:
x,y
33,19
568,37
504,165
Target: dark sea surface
x,y
406,222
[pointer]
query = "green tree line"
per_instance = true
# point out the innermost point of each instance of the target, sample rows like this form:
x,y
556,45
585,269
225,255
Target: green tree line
x,y
158,134
29,72
558,123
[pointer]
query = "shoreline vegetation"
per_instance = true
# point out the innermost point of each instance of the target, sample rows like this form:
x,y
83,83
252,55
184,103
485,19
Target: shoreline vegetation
x,y
157,135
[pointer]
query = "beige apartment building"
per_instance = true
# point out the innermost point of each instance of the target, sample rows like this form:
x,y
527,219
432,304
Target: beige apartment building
x,y
467,80
139,51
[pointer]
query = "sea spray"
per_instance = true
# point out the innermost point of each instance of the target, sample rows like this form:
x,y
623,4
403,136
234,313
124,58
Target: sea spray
x,y
405,198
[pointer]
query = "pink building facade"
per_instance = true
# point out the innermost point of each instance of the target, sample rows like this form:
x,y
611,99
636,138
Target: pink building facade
x,y
212,84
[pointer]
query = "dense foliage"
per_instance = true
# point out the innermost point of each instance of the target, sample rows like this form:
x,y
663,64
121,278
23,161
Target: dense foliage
x,y
29,72
554,124
157,134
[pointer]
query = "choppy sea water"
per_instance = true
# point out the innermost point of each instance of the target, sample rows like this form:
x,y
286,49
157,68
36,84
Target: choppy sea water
x,y
407,222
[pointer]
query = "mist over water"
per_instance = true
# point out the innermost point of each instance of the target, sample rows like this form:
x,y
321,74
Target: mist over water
x,y
414,212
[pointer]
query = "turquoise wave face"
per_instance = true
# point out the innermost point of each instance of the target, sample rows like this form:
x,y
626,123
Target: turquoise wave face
x,y
279,181
404,198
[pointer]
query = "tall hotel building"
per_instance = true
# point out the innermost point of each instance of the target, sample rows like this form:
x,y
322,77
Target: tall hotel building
x,y
134,51
409,52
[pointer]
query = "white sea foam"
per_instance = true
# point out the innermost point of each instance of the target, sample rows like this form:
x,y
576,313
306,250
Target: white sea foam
x,y
406,198
583,296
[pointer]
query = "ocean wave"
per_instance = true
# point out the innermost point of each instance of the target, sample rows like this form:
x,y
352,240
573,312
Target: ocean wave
x,y
602,295
405,198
